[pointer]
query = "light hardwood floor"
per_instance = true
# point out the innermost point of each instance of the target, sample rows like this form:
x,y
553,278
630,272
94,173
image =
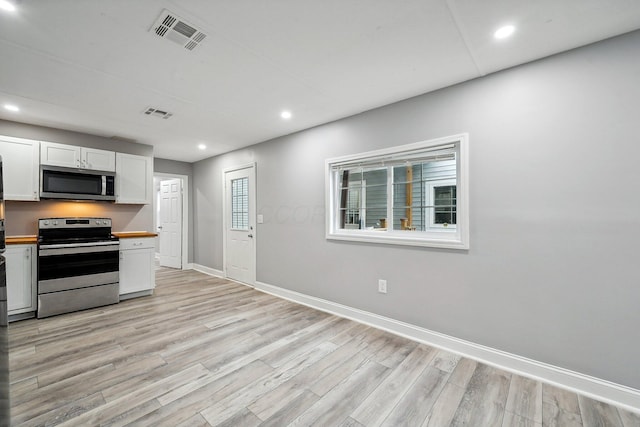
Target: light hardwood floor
x,y
204,351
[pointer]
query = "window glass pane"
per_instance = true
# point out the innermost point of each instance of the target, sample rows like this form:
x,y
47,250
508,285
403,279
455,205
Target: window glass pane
x,y
444,205
414,202
362,198
408,198
240,203
376,201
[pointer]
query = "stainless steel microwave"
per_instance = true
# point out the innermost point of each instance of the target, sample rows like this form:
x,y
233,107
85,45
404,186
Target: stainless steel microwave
x,y
76,184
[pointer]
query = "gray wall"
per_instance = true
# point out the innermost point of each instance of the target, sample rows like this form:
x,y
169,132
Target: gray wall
x,y
178,168
22,217
553,271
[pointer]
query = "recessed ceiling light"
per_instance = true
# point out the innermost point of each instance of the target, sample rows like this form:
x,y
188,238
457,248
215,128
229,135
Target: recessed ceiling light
x,y
5,5
202,146
285,115
504,32
10,107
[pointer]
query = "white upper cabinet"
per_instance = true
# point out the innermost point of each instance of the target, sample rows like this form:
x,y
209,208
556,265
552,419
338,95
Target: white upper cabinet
x,y
95,159
134,179
20,167
71,156
54,154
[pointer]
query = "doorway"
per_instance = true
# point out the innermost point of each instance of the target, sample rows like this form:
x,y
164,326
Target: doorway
x,y
239,224
171,215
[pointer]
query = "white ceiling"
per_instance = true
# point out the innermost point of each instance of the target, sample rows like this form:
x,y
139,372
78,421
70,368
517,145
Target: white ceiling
x,y
93,66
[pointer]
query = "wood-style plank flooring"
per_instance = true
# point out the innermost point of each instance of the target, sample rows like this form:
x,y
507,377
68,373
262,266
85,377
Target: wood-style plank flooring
x,y
205,351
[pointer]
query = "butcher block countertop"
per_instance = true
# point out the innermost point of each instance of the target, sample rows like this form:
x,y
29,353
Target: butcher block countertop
x,y
32,240
131,234
21,240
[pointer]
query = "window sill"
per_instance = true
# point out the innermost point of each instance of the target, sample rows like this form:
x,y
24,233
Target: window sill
x,y
433,239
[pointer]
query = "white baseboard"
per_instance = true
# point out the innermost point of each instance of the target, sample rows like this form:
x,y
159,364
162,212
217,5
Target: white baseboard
x,y
596,388
188,266
207,270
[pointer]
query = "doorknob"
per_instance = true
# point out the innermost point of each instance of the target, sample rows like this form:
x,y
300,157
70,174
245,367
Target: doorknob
x,y
250,235
159,227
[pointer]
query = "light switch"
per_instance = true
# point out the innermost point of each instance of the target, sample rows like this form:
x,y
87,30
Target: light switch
x,y
260,219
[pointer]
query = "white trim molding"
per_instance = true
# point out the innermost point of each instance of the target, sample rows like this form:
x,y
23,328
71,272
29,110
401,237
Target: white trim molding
x,y
596,388
207,270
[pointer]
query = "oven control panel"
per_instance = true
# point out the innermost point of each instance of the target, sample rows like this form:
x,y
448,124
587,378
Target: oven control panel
x,y
73,222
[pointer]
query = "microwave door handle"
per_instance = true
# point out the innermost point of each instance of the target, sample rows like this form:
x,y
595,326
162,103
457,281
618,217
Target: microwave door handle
x,y
104,185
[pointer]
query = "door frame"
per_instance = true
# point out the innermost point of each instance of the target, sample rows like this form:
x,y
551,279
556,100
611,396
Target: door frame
x,y
185,213
253,194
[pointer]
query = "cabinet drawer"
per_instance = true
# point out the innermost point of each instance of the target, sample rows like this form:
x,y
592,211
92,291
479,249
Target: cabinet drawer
x,y
137,243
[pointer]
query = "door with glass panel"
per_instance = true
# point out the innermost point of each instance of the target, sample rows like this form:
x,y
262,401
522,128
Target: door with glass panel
x,y
240,196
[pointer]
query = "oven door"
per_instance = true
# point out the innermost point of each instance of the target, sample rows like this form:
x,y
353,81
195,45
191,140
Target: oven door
x,y
63,267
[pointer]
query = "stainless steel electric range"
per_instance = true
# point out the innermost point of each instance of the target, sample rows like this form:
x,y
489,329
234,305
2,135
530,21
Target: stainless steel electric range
x,y
78,265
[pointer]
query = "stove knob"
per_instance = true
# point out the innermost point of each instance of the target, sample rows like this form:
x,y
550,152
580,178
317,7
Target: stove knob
x,y
46,222
55,222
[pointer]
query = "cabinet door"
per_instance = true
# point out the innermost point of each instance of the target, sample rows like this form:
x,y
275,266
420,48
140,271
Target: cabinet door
x,y
20,279
136,270
101,160
20,167
134,179
55,154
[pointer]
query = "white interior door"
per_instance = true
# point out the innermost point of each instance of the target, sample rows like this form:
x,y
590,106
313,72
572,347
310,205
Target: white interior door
x,y
240,196
170,228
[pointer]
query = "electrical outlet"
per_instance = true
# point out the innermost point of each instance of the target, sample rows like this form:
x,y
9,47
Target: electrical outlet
x,y
382,286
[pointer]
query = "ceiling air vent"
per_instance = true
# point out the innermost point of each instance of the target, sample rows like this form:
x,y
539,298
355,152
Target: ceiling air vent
x,y
170,26
157,113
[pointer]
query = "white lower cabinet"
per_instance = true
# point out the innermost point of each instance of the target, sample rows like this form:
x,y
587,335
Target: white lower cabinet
x,y
21,279
137,267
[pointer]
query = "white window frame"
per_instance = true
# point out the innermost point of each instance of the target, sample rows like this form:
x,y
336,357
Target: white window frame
x,y
433,237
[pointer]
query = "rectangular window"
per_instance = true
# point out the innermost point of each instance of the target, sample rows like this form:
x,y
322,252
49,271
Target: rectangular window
x,y
240,204
415,194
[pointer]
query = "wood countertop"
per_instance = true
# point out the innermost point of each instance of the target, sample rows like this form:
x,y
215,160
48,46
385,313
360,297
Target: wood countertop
x,y
33,239
21,240
132,234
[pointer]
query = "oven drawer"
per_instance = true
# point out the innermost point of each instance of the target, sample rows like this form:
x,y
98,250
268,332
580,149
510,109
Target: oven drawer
x,y
77,299
77,282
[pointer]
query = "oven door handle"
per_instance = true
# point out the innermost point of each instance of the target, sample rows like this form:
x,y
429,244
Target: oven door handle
x,y
78,245
66,250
